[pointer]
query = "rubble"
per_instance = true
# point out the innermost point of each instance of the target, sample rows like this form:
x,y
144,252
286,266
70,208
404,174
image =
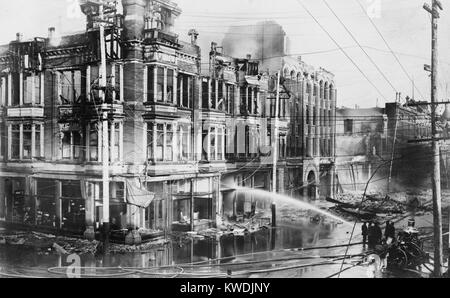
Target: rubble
x,y
378,206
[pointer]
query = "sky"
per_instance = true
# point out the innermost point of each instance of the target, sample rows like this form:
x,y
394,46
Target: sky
x,y
404,24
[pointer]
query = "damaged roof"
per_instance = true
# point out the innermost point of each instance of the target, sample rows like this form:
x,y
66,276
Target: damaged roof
x,y
68,41
369,112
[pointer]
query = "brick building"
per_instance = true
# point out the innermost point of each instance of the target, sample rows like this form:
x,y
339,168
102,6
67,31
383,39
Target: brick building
x,y
185,136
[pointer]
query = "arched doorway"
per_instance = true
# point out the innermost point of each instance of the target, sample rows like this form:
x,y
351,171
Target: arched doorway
x,y
311,189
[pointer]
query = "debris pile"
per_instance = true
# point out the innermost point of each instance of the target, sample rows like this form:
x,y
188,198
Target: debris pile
x,y
78,246
376,206
122,249
66,245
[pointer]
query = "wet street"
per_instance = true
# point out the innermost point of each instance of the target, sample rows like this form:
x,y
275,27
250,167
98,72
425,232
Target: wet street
x,y
298,250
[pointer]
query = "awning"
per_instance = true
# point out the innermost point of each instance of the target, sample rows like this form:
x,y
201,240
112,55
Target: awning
x,y
139,197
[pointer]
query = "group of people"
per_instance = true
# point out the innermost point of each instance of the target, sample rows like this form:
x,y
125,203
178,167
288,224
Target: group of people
x,y
373,235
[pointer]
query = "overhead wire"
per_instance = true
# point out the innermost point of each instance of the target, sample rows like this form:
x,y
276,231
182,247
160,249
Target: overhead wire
x,y
342,50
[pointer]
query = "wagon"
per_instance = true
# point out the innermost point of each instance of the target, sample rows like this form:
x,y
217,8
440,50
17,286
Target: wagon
x,y
407,251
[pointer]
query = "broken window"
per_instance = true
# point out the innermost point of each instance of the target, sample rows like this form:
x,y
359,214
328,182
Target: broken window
x,y
169,143
15,89
255,101
163,147
70,86
27,89
220,144
205,94
71,142
37,140
22,141
212,146
159,142
3,91
93,143
27,132
186,88
150,140
348,126
115,141
95,82
213,100
151,84
243,104
183,142
282,147
160,84
113,72
229,98
170,85
220,92
15,141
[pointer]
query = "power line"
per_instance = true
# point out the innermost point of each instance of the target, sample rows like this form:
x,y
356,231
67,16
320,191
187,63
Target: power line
x,y
390,49
342,50
359,45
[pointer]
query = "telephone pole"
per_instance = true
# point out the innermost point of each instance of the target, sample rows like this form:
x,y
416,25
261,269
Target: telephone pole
x,y
436,175
105,134
275,148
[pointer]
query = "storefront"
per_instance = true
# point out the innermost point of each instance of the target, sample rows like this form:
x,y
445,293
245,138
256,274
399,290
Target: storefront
x,y
73,207
193,204
17,207
46,198
238,203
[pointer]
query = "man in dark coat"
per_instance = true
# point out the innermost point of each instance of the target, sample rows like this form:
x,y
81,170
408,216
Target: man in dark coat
x,y
378,234
391,232
364,232
371,235
386,229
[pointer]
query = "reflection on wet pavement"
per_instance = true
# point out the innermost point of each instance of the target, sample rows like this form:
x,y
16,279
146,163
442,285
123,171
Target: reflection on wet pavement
x,y
267,253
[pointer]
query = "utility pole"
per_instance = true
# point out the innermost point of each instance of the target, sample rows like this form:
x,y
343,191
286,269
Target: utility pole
x,y
397,107
275,148
436,178
105,135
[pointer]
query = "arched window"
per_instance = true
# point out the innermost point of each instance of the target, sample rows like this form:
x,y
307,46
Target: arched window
x,y
321,90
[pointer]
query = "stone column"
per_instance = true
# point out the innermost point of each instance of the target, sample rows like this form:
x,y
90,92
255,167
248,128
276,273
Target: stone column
x,y
21,142
88,195
2,200
9,89
20,89
58,194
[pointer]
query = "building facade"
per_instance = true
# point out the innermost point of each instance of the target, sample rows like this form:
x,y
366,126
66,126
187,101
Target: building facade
x,y
386,146
188,138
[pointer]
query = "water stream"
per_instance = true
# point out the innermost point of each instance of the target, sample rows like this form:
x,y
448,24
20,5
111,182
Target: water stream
x,y
284,199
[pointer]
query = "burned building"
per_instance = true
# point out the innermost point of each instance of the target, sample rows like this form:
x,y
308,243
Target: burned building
x,y
180,142
362,143
306,126
51,125
387,143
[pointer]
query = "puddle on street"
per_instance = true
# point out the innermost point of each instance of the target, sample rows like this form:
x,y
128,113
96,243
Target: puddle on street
x,y
256,250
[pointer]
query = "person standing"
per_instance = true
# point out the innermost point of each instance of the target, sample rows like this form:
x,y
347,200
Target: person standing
x,y
386,229
364,232
378,234
371,235
391,231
